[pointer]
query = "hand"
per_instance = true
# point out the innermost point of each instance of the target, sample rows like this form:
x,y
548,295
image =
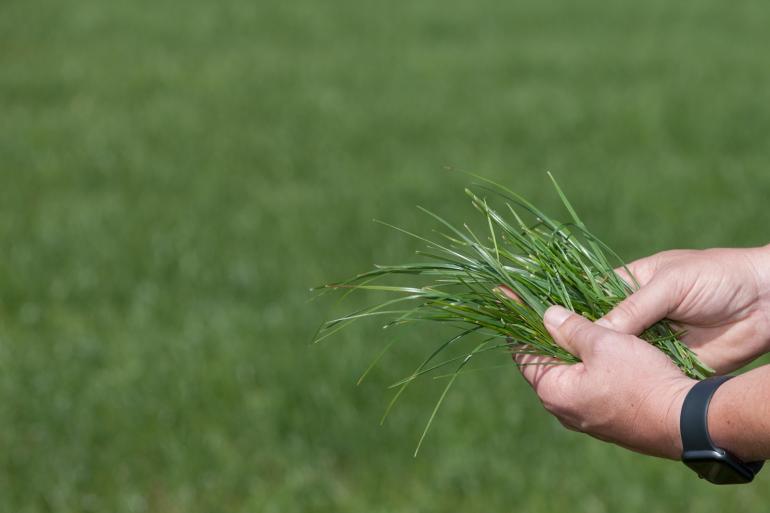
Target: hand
x,y
720,297
624,391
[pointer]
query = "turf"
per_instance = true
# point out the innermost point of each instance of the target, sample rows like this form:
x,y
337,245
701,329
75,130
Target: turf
x,y
175,175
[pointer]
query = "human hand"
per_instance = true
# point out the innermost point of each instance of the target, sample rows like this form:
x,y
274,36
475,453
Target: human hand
x,y
720,297
623,391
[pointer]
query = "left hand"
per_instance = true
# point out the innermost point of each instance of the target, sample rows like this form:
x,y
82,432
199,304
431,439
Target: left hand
x,y
624,391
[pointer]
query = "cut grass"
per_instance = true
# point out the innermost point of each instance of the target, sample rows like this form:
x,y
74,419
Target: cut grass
x,y
544,263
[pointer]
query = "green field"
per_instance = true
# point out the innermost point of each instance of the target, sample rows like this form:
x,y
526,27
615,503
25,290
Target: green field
x,y
175,175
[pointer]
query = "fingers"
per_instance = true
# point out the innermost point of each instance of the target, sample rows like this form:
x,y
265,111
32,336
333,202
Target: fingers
x,y
573,332
651,303
643,270
534,367
627,275
508,292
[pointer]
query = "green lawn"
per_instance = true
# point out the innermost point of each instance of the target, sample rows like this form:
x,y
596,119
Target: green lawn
x,y
174,175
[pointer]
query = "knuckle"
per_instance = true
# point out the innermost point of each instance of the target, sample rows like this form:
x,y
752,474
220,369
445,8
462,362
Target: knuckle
x,y
573,326
579,330
583,425
627,310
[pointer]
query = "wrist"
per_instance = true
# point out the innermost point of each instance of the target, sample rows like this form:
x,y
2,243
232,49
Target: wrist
x,y
736,418
759,259
719,420
760,263
711,461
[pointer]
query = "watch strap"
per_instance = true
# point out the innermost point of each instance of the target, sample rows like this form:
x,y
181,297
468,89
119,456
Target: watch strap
x,y
693,422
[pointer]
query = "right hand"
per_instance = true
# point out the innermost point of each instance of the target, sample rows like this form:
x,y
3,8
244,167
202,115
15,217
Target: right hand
x,y
720,297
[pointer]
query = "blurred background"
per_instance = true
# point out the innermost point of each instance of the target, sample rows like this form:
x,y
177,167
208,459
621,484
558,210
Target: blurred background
x,y
175,175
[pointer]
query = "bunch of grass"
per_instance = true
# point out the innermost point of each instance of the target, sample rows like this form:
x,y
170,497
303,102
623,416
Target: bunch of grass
x,y
543,263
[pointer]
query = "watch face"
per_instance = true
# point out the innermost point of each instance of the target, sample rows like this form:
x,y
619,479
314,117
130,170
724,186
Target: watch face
x,y
718,472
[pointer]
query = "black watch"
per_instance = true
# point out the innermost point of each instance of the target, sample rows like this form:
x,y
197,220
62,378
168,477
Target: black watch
x,y
712,463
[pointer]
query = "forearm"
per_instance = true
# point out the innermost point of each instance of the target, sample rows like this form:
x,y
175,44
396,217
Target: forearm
x,y
739,415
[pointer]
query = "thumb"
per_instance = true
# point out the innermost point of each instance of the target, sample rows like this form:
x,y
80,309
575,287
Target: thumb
x,y
641,309
573,332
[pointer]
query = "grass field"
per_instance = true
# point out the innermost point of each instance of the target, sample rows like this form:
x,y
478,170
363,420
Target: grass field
x,y
175,175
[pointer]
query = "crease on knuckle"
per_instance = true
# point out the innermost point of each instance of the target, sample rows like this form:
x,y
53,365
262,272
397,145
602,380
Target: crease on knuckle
x,y
627,310
576,328
586,337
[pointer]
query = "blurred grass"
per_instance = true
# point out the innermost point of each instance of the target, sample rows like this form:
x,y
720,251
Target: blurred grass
x,y
175,175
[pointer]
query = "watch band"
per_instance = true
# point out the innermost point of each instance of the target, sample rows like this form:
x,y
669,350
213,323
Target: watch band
x,y
693,422
698,450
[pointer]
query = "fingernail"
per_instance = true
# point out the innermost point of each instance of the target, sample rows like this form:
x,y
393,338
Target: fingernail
x,y
556,315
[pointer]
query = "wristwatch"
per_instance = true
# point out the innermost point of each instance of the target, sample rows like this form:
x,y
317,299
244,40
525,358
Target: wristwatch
x,y
712,463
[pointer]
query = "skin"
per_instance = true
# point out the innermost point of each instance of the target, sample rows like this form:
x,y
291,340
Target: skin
x,y
629,393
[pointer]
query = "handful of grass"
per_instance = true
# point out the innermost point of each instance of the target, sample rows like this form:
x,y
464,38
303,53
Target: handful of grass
x,y
544,263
